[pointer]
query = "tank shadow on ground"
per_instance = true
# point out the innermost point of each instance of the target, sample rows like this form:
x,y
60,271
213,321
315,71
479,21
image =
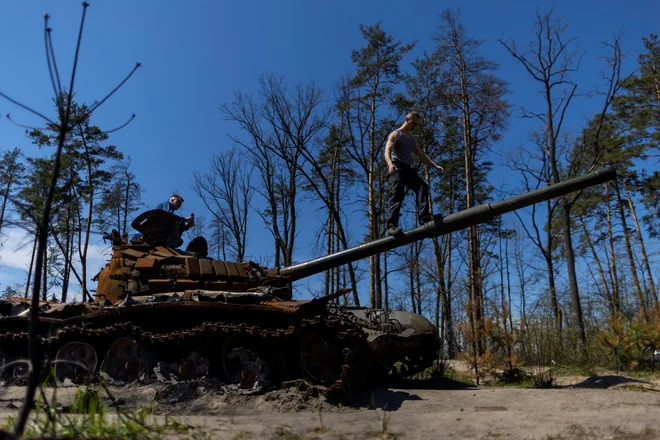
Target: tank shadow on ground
x,y
604,382
441,383
381,398
392,398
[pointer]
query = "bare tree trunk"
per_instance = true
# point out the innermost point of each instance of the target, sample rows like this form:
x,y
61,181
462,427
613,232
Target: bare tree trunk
x,y
374,260
444,292
379,278
641,242
378,287
290,226
29,276
67,268
438,304
631,259
473,240
44,276
383,287
67,251
127,201
331,239
329,248
576,307
418,276
519,266
613,272
66,279
119,226
508,282
386,287
411,279
601,272
503,301
5,199
84,246
547,253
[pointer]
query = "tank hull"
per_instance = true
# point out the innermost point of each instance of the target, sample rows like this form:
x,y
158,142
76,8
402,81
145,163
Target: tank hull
x,y
192,334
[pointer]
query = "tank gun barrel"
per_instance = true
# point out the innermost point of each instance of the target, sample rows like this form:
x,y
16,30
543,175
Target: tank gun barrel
x,y
451,223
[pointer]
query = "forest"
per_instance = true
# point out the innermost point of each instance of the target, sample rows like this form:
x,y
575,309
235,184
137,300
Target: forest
x,y
569,281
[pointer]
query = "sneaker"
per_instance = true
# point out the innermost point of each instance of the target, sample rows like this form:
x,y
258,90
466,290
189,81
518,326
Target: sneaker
x,y
394,230
425,218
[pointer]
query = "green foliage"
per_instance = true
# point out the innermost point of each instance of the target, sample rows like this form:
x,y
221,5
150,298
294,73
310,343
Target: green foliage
x,y
383,417
519,378
501,338
286,433
441,370
638,112
455,376
646,333
378,61
614,336
13,290
85,172
621,344
12,172
640,105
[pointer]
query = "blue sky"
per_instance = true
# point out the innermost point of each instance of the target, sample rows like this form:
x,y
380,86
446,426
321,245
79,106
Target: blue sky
x,y
195,54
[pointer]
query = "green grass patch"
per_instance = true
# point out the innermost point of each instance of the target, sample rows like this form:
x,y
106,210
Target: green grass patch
x,y
451,374
519,378
647,375
441,370
90,417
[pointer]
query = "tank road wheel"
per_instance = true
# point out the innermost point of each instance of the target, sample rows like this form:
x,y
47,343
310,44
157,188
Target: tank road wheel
x,y
321,356
7,366
75,361
240,359
193,366
4,368
125,361
252,361
12,368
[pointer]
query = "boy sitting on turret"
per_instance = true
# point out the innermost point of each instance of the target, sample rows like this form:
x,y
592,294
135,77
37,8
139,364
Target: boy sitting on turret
x,y
181,224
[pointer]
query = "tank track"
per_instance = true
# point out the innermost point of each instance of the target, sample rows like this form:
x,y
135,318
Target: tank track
x,y
341,328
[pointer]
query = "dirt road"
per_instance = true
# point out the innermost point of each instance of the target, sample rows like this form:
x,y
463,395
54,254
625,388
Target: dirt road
x,y
600,407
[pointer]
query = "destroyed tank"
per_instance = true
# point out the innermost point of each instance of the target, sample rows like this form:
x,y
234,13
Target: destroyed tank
x,y
181,315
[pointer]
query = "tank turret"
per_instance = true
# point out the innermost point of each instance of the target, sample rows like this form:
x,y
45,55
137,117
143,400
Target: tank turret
x,y
178,314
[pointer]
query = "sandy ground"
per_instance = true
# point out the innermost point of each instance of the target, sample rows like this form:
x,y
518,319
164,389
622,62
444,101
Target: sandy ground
x,y
599,407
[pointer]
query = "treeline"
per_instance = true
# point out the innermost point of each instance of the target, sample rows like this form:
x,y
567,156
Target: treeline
x,y
95,191
537,288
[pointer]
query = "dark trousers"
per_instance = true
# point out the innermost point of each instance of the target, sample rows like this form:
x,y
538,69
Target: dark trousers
x,y
174,240
399,181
